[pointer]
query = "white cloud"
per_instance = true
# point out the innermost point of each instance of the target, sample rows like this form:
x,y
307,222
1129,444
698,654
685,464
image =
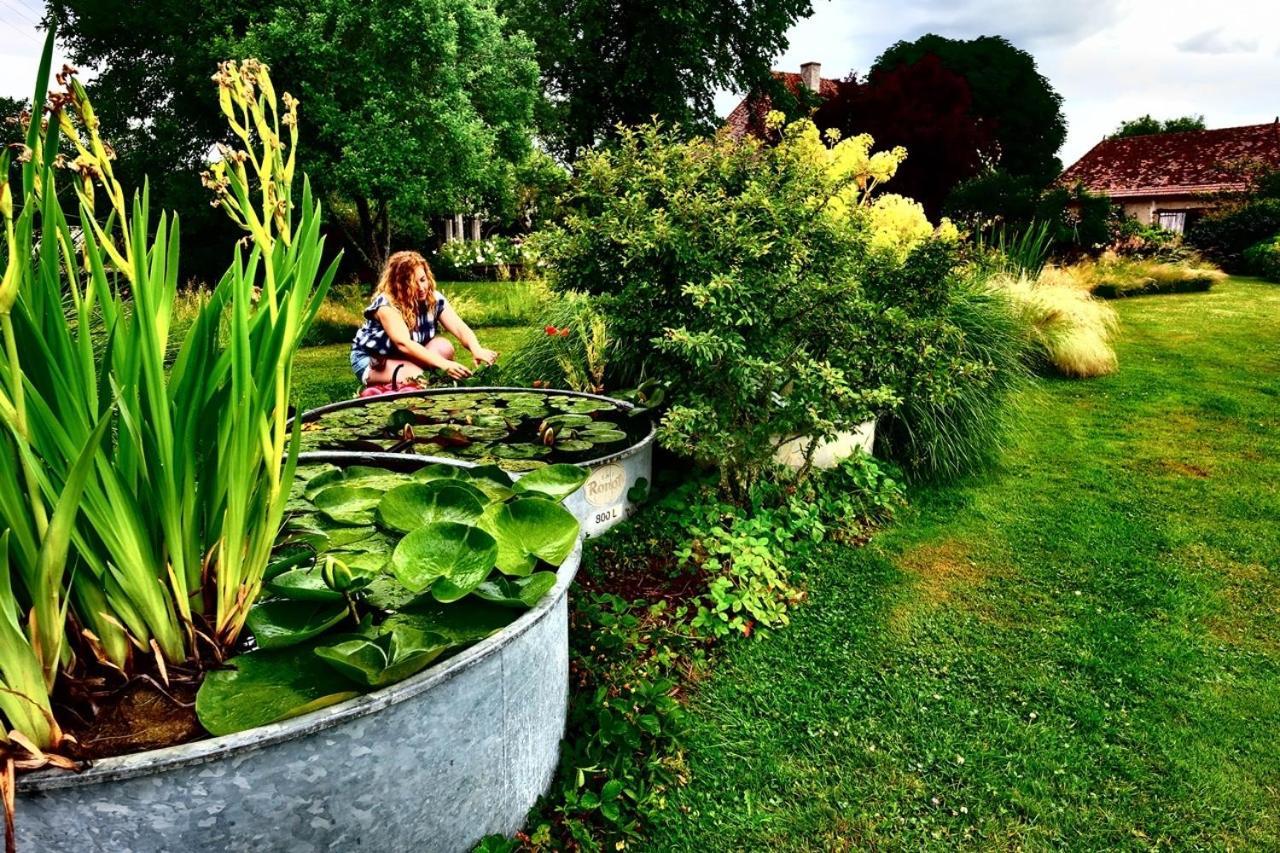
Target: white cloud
x,y
1217,41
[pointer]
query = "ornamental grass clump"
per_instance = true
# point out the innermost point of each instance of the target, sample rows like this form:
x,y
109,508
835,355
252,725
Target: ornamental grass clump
x,y
1070,330
142,496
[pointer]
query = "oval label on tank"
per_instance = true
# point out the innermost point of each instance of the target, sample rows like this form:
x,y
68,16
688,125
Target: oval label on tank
x,y
605,485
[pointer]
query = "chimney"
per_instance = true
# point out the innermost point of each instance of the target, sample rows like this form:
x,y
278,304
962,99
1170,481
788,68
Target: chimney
x,y
811,74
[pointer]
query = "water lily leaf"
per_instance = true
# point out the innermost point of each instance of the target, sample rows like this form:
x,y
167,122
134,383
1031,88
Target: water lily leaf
x,y
264,687
488,472
345,504
276,624
303,585
483,433
574,445
391,655
519,465
411,505
519,451
290,556
558,422
462,622
387,593
554,481
440,471
603,436
529,529
518,592
329,475
443,549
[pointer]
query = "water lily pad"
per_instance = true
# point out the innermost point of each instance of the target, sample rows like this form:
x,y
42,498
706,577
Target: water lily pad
x,y
276,624
411,505
519,451
517,592
440,471
462,622
443,549
558,422
554,481
574,445
345,504
268,686
303,585
517,466
392,654
603,436
529,529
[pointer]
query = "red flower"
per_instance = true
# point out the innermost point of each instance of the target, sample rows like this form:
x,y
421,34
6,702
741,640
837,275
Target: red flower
x,y
564,333
550,330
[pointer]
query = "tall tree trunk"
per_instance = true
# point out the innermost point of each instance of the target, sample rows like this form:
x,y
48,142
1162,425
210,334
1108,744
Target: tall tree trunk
x,y
371,243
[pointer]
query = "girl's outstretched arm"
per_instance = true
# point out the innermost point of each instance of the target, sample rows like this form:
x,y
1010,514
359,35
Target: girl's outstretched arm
x,y
458,327
398,334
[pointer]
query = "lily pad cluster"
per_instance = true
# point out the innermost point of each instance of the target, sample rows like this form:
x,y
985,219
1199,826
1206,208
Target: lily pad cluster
x,y
379,574
518,430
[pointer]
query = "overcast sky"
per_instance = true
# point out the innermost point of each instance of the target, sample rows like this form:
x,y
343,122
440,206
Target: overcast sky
x,y
1110,59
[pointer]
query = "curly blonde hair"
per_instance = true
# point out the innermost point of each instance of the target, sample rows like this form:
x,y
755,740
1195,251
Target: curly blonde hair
x,y
398,282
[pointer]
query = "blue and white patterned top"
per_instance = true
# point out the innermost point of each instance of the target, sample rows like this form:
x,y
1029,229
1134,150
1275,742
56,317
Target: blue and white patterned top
x,y
371,338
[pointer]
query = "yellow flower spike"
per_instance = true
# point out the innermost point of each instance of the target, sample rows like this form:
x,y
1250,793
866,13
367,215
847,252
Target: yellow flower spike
x,y
264,83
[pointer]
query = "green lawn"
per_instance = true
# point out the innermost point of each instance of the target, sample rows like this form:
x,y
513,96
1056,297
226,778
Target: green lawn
x,y
1080,650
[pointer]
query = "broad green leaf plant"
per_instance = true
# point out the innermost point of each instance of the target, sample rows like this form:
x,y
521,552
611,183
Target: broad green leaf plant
x,y
142,497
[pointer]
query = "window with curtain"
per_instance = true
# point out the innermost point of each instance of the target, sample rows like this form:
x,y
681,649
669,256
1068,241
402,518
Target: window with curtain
x,y
1172,220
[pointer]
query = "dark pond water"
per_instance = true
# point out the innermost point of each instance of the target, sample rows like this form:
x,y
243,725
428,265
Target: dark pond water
x,y
518,430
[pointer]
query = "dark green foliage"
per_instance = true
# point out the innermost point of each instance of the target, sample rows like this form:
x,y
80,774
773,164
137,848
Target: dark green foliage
x,y
1148,126
412,109
1009,93
1263,259
610,63
1079,221
1224,235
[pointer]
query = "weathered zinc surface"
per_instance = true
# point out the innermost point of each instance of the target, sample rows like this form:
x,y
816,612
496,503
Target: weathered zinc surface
x,y
433,763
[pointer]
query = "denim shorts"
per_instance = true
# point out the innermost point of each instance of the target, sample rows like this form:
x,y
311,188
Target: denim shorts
x,y
361,361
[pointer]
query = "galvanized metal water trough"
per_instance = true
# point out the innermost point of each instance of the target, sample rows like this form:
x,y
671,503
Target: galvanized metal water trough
x,y
604,500
434,763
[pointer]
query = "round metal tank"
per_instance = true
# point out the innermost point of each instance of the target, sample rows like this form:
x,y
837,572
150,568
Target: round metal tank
x,y
434,763
608,496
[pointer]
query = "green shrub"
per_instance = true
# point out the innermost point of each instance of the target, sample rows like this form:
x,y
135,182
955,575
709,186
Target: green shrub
x,y
1263,259
1224,236
726,265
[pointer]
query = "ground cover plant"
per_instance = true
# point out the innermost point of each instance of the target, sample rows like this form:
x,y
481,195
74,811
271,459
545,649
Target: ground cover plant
x,y
520,430
1076,650
378,575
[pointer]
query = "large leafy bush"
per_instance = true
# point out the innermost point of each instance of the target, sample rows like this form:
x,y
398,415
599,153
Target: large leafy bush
x,y
1225,235
781,296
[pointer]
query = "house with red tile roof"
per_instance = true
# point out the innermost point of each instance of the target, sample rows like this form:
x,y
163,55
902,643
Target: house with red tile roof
x,y
748,116
1169,179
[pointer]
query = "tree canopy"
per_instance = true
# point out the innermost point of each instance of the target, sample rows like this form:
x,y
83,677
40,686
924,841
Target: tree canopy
x,y
1147,126
928,110
1011,96
609,62
409,107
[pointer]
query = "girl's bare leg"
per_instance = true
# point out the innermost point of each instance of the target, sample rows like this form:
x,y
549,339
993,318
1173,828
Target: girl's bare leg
x,y
381,374
442,345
